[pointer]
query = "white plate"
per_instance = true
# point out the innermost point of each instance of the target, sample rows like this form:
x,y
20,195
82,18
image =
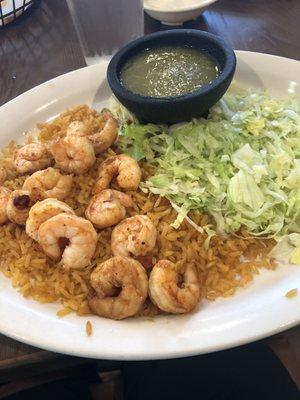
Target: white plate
x,y
259,310
176,14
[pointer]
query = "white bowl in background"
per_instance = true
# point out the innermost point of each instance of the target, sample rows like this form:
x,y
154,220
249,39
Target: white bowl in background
x,y
178,14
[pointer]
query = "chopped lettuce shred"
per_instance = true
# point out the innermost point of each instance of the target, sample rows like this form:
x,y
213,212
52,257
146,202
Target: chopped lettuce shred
x,y
287,249
241,164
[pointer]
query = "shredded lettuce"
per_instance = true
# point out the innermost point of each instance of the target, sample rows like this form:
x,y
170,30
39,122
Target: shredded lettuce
x,y
287,249
241,164
121,113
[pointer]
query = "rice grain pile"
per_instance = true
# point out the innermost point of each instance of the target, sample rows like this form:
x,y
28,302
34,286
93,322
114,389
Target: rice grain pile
x,y
36,276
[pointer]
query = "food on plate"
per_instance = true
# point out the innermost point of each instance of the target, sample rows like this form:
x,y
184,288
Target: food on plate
x,y
69,239
163,218
172,290
168,71
122,167
120,288
240,165
89,328
102,139
78,128
41,212
287,249
32,157
4,198
291,293
50,182
133,236
18,206
73,154
108,208
3,175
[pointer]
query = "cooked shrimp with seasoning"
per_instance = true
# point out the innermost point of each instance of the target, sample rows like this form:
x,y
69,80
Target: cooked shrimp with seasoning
x,y
133,236
122,167
120,288
68,238
50,182
100,140
108,208
32,157
41,212
18,206
171,291
73,154
4,198
78,128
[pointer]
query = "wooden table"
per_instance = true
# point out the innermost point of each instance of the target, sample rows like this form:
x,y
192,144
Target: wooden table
x,y
44,44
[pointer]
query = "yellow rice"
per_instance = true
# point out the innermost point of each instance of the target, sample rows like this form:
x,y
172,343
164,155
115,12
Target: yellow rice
x,y
36,276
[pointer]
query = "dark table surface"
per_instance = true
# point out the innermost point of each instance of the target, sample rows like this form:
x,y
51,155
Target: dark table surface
x,y
43,45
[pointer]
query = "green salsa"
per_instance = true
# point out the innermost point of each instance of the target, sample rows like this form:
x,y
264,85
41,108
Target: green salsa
x,y
168,71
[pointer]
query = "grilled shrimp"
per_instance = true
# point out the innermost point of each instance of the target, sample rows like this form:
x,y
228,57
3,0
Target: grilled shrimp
x,y
41,212
3,175
101,140
4,197
120,288
78,128
73,154
124,168
50,182
32,157
166,291
134,236
68,238
108,208
18,206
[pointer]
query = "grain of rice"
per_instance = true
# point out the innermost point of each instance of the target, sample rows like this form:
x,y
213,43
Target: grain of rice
x,y
157,203
89,328
63,312
228,293
291,293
